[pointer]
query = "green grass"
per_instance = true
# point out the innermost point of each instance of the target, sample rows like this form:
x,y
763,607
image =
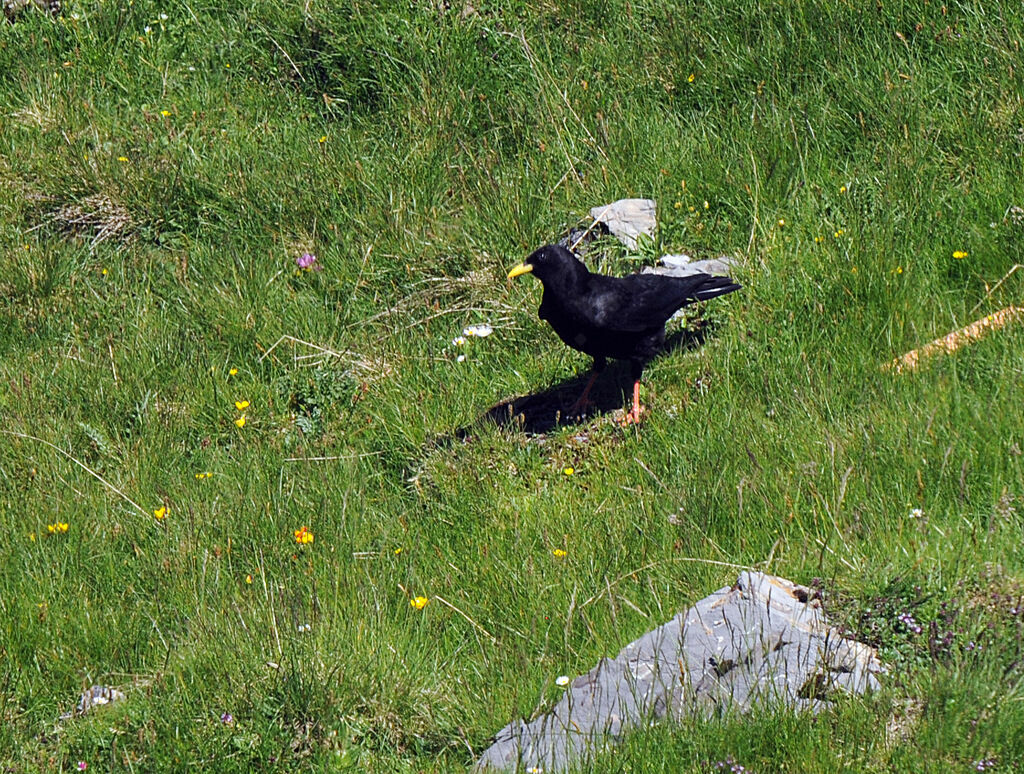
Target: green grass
x,y
841,151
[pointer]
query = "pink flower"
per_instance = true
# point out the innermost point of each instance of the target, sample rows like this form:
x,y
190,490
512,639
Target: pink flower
x,y
82,765
308,262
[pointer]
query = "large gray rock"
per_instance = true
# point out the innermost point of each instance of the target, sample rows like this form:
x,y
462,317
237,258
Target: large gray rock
x,y
763,641
627,219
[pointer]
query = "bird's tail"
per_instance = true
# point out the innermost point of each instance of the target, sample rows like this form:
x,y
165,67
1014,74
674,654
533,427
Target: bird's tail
x,y
711,287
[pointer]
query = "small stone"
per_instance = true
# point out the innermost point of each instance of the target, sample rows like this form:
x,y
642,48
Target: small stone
x,y
96,696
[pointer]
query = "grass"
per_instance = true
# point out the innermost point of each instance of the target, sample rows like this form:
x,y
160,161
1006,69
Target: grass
x,y
162,166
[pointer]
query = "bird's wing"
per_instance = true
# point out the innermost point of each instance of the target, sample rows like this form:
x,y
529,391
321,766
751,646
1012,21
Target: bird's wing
x,y
641,302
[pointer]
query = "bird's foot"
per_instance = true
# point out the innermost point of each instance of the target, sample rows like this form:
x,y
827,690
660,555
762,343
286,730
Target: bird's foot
x,y
631,417
580,407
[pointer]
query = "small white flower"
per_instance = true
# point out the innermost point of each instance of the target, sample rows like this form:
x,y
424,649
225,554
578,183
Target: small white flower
x,y
458,341
148,29
917,513
163,17
562,680
482,331
460,359
305,627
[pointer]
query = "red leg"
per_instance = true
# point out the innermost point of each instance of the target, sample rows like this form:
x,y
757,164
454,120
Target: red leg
x,y
584,400
633,417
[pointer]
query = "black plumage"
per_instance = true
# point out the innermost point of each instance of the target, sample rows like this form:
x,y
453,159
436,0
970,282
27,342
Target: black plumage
x,y
613,317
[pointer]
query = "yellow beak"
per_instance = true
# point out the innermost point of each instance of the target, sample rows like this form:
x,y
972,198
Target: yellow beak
x,y
523,268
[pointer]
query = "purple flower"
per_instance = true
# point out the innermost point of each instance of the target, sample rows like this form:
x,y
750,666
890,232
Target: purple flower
x,y
908,621
730,765
227,718
308,262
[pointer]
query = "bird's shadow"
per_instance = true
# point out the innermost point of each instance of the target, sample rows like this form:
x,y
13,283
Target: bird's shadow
x,y
541,412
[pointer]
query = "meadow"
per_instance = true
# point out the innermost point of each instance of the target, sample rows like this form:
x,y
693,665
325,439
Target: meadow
x,y
259,494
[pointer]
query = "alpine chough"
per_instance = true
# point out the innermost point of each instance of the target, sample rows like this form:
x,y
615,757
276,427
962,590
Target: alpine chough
x,y
613,317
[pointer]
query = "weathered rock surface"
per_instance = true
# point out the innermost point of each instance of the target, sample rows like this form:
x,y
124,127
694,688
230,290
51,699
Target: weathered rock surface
x,y
763,641
93,697
627,219
682,266
14,8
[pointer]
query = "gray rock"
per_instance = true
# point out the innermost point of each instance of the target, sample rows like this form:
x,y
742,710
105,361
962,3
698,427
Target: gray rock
x,y
14,8
682,266
763,641
96,696
627,219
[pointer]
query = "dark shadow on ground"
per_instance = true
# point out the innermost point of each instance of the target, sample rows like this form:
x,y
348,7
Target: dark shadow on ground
x,y
542,412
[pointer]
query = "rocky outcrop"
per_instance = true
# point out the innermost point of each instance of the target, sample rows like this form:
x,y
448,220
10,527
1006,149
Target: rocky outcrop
x,y
764,640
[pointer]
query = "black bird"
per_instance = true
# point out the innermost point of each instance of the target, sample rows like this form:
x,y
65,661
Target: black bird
x,y
613,317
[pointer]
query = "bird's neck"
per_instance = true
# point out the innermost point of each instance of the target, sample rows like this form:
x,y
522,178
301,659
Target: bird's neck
x,y
569,283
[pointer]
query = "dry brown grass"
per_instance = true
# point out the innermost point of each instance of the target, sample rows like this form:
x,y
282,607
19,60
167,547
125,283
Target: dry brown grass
x,y
97,218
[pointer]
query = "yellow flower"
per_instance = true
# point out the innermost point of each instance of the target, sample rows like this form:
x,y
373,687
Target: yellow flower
x,y
842,189
165,113
706,204
569,471
241,404
232,372
818,239
323,139
207,474
240,421
418,603
398,551
248,579
958,254
691,77
677,205
104,272
58,528
160,512
559,553
303,536
123,159
32,536
782,222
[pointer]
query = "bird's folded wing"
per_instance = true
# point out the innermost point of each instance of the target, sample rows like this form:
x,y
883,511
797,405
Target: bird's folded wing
x,y
639,302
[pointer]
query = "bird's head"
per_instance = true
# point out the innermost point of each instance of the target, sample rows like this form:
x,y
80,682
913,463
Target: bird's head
x,y
549,263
